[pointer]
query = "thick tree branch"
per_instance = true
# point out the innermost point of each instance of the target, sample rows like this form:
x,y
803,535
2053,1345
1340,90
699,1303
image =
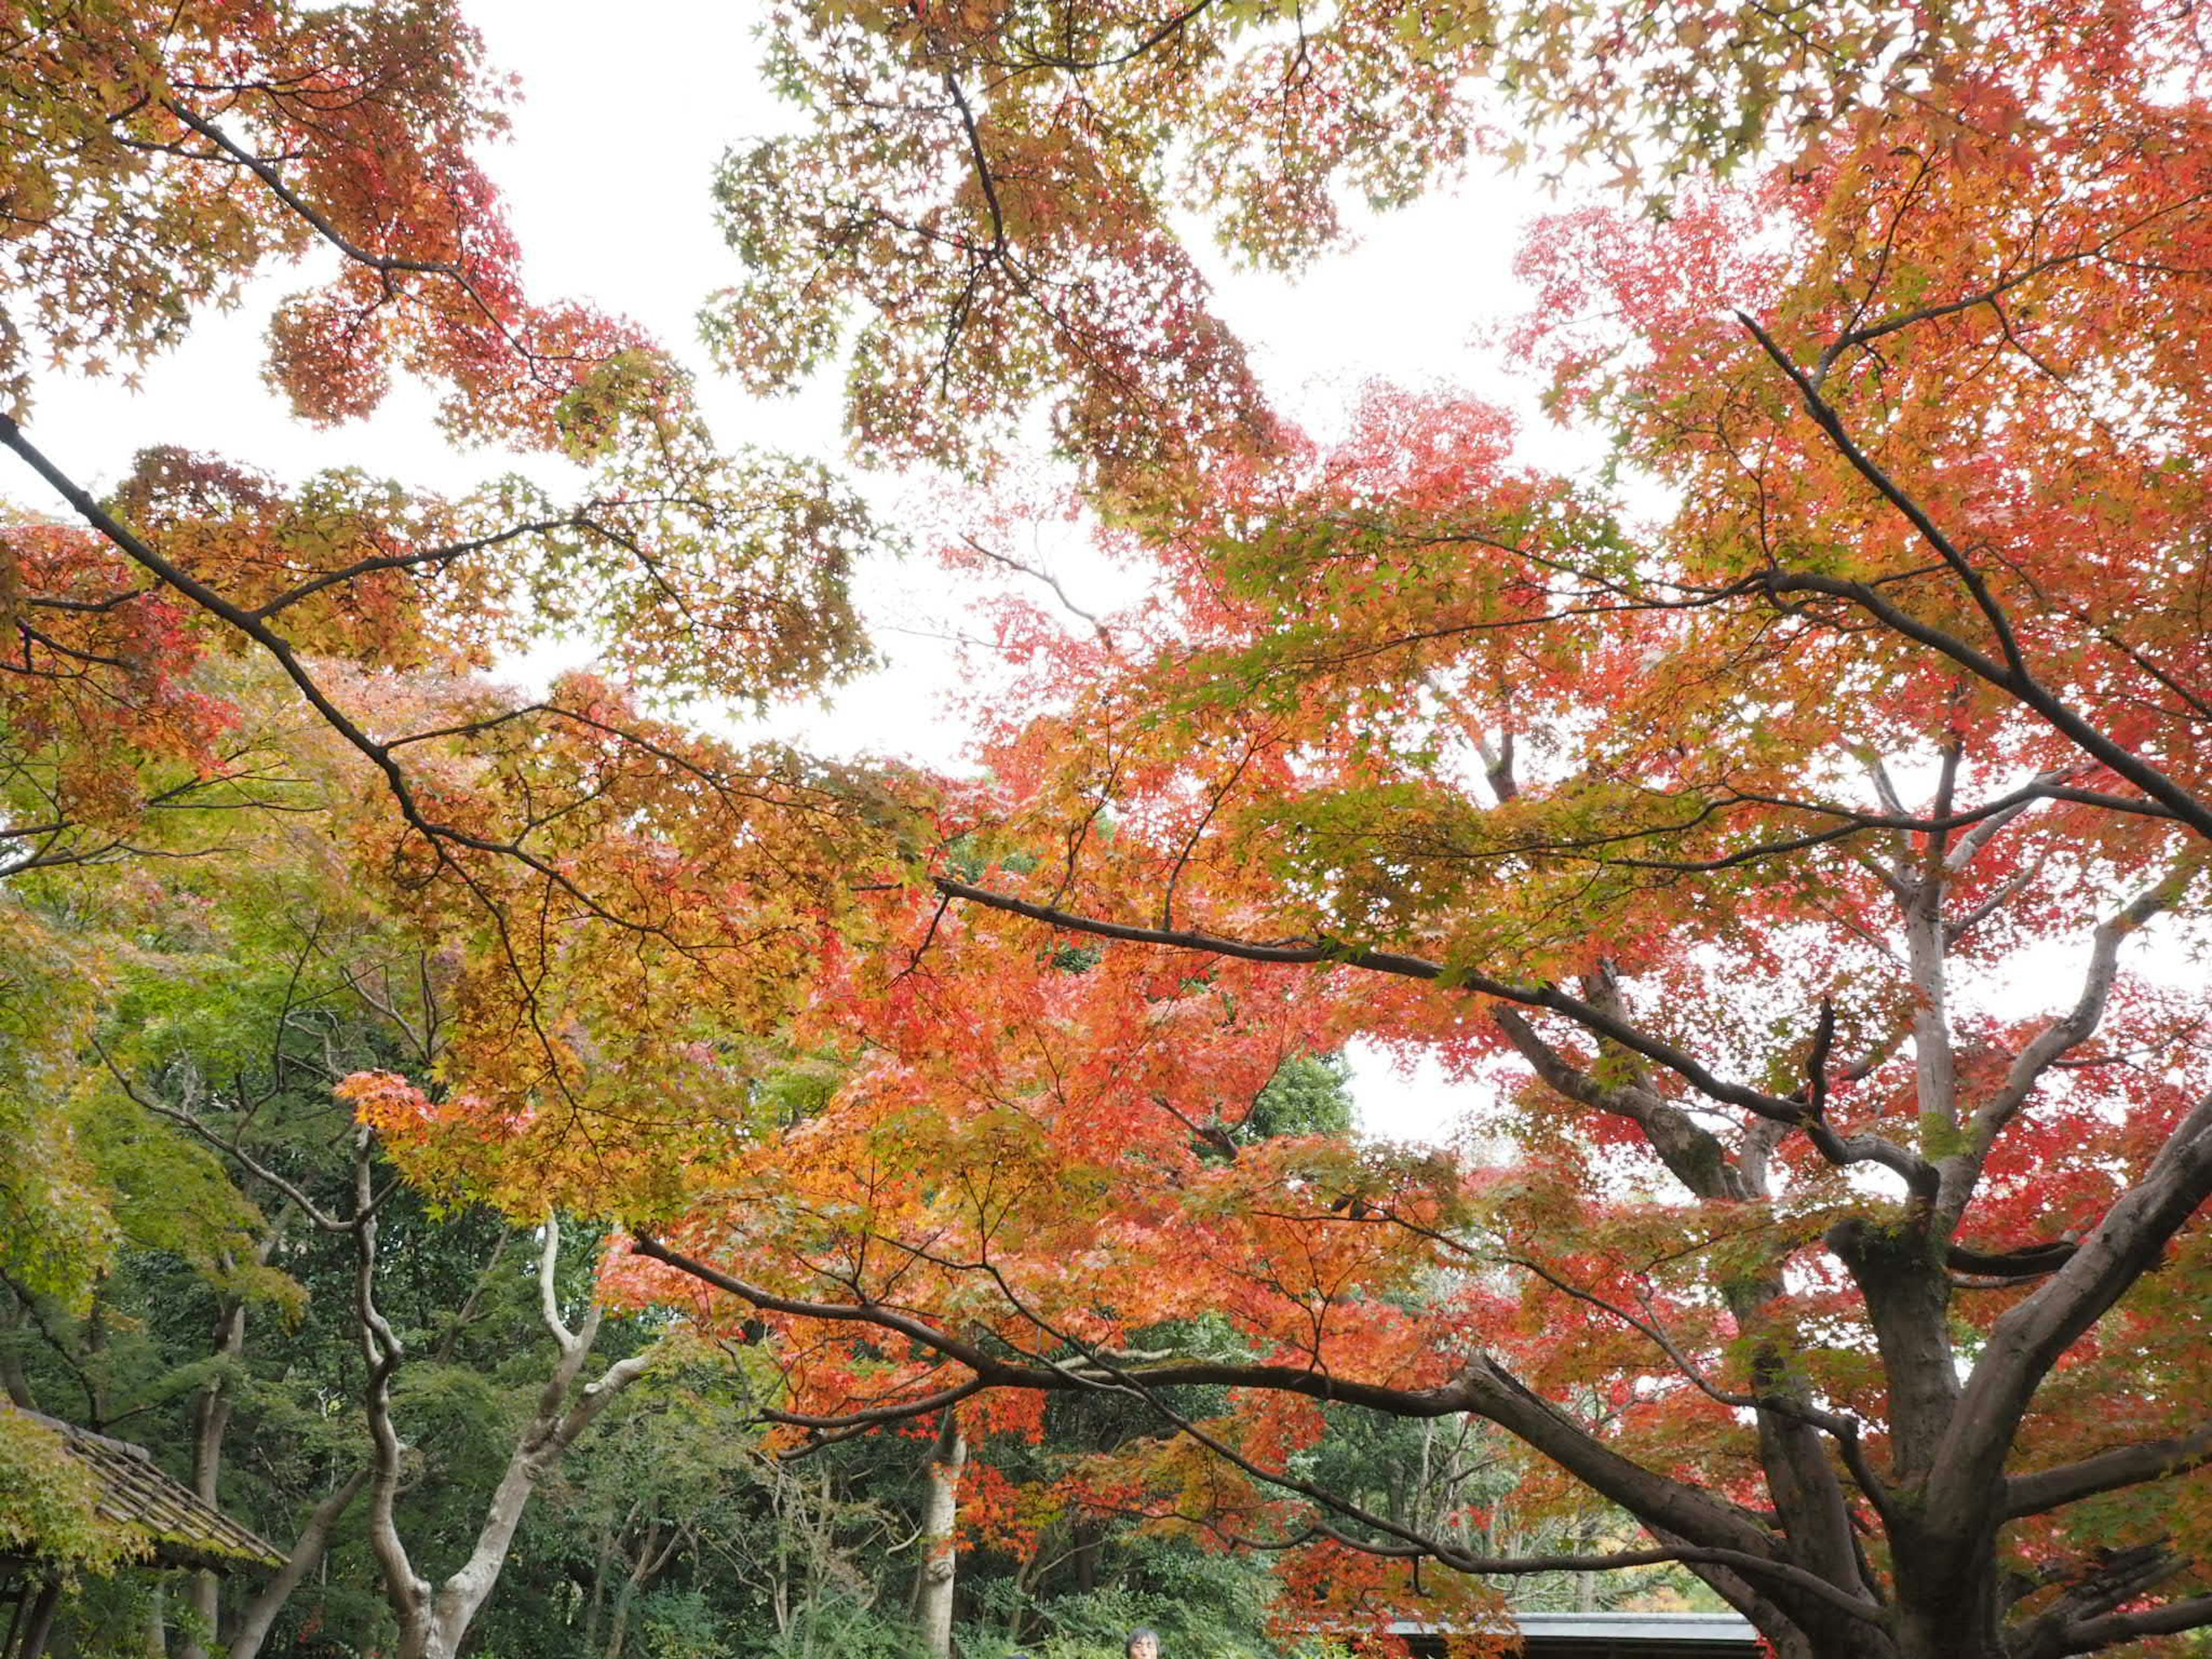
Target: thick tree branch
x,y
2194,1612
2112,1579
2028,1262
2011,674
260,1615
1715,1535
2080,1023
1967,1470
2043,1489
1692,1153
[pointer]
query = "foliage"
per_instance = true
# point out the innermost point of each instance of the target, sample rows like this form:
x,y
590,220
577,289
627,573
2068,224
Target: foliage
x,y
54,1235
1727,845
49,1504
209,646
1309,1095
981,212
1709,841
1201,1605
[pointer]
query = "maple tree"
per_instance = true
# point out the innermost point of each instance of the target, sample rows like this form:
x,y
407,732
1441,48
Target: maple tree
x,y
979,213
267,1264
225,1333
205,658
165,156
1847,1247
165,639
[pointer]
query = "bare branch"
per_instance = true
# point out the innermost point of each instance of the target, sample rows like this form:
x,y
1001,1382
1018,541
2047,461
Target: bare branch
x,y
2080,1023
1047,578
549,1304
321,1217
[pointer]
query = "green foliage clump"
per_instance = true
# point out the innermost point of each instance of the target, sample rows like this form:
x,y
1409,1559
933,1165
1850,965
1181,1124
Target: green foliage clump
x,y
50,1505
1310,1094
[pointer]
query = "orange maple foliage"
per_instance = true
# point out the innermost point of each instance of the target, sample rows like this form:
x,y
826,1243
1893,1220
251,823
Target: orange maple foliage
x,y
1787,865
160,156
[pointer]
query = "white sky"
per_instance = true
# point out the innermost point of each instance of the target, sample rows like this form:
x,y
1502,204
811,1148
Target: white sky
x,y
624,116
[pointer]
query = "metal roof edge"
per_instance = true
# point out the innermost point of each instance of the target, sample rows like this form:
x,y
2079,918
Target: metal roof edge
x,y
1655,1625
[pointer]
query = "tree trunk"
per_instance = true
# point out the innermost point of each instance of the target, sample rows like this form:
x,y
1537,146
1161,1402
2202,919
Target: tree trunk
x,y
39,1627
435,1620
253,1626
940,1555
1086,1556
12,1379
595,1608
619,1632
157,1620
653,1556
211,1412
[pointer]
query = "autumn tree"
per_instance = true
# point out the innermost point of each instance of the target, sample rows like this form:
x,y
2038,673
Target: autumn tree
x,y
1731,847
207,643
1849,1246
208,661
304,1339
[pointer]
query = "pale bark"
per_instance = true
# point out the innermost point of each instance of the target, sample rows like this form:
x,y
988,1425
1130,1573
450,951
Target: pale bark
x,y
155,1634
211,1412
434,1619
940,1516
212,1408
253,1625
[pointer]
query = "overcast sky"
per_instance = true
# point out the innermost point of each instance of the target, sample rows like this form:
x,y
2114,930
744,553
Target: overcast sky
x,y
625,112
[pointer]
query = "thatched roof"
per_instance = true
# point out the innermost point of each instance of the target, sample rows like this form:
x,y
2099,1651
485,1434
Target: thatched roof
x,y
183,1530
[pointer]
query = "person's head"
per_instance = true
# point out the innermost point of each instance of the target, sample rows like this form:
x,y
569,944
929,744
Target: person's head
x,y
1143,1643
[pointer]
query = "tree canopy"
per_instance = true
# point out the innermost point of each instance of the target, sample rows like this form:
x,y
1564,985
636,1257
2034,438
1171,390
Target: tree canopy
x,y
1797,828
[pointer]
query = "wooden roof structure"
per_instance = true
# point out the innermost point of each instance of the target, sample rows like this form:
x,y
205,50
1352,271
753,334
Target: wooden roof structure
x,y
181,1528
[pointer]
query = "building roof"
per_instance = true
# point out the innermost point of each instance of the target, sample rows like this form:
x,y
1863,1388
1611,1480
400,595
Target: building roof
x,y
1613,1634
1673,1626
184,1530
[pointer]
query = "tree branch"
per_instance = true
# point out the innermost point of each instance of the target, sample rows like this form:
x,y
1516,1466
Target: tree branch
x,y
2012,674
2027,1339
1858,1149
2093,1634
2080,1023
1484,1388
2043,1489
